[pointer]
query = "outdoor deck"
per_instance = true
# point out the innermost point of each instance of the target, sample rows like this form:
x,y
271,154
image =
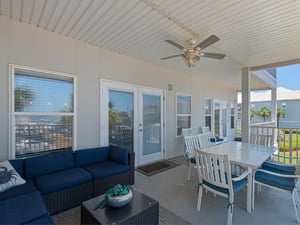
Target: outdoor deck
x,y
174,192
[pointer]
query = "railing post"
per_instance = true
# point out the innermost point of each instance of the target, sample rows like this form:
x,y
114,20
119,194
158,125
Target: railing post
x,y
297,146
291,146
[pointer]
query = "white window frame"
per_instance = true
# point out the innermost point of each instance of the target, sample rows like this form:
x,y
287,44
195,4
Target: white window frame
x,y
13,114
208,114
179,114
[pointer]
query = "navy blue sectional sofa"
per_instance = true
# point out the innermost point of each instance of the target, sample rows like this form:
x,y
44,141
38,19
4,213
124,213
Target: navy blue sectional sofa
x,y
61,180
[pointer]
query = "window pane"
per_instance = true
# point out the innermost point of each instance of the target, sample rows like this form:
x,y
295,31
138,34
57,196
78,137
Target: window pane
x,y
231,122
43,111
207,106
42,94
183,104
42,133
183,122
232,111
232,118
208,121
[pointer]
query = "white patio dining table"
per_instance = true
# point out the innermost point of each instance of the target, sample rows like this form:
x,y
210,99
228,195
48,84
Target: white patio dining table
x,y
250,156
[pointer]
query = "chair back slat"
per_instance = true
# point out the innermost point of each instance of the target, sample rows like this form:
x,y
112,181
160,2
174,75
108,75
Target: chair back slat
x,y
214,169
262,136
186,132
204,130
191,143
204,140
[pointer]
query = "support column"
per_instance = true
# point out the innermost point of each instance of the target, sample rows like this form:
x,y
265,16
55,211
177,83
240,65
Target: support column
x,y
274,106
246,88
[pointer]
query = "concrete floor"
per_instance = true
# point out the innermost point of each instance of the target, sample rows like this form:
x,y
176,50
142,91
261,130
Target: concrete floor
x,y
174,192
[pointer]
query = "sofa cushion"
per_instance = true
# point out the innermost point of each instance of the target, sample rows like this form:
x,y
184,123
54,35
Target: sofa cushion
x,y
43,220
9,177
105,169
18,164
50,163
61,180
22,208
90,156
28,187
118,154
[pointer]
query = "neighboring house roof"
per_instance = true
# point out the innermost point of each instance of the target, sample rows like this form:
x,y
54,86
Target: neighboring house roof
x,y
265,96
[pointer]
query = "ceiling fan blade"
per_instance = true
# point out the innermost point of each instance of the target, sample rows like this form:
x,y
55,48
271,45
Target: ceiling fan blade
x,y
169,57
212,55
174,44
207,42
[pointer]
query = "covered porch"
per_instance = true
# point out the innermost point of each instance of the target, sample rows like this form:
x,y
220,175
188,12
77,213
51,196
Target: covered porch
x,y
89,43
180,196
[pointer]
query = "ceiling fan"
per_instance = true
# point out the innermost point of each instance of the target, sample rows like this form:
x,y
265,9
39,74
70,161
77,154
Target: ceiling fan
x,y
193,53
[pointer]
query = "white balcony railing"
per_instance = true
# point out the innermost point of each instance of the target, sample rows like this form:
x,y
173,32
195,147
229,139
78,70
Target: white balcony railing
x,y
287,140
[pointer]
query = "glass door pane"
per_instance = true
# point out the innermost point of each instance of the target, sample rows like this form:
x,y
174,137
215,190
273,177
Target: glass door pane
x,y
217,118
151,124
121,118
224,121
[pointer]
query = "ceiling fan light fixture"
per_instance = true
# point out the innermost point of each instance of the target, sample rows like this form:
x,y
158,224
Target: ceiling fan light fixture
x,y
192,53
190,57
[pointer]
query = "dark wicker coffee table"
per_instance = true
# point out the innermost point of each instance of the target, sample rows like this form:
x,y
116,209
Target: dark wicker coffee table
x,y
141,210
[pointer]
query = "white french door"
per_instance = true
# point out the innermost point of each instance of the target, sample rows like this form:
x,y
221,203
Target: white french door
x,y
151,125
133,117
220,118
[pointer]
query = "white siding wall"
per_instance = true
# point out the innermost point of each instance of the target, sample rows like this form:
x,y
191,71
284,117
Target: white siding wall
x,y
292,114
25,45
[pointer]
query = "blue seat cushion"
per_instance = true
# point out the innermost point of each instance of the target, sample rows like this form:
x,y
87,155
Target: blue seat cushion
x,y
91,156
61,180
22,208
276,181
237,185
118,154
49,163
279,168
28,187
192,160
106,168
216,139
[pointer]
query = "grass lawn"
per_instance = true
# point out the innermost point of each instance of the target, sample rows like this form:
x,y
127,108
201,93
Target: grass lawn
x,y
283,157
284,149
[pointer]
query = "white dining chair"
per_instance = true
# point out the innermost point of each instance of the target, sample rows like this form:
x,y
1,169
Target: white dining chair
x,y
279,177
213,138
191,143
186,132
214,175
262,139
204,140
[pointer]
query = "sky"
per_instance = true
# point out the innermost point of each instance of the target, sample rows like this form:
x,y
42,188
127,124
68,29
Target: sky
x,y
289,77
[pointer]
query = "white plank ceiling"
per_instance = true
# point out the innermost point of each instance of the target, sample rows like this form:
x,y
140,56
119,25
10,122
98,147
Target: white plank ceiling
x,y
251,32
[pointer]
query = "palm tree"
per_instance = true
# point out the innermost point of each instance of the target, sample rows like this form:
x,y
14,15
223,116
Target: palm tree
x,y
253,112
264,112
113,115
280,113
23,97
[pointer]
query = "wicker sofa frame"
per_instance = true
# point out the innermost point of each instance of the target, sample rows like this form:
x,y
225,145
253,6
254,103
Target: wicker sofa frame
x,y
68,198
